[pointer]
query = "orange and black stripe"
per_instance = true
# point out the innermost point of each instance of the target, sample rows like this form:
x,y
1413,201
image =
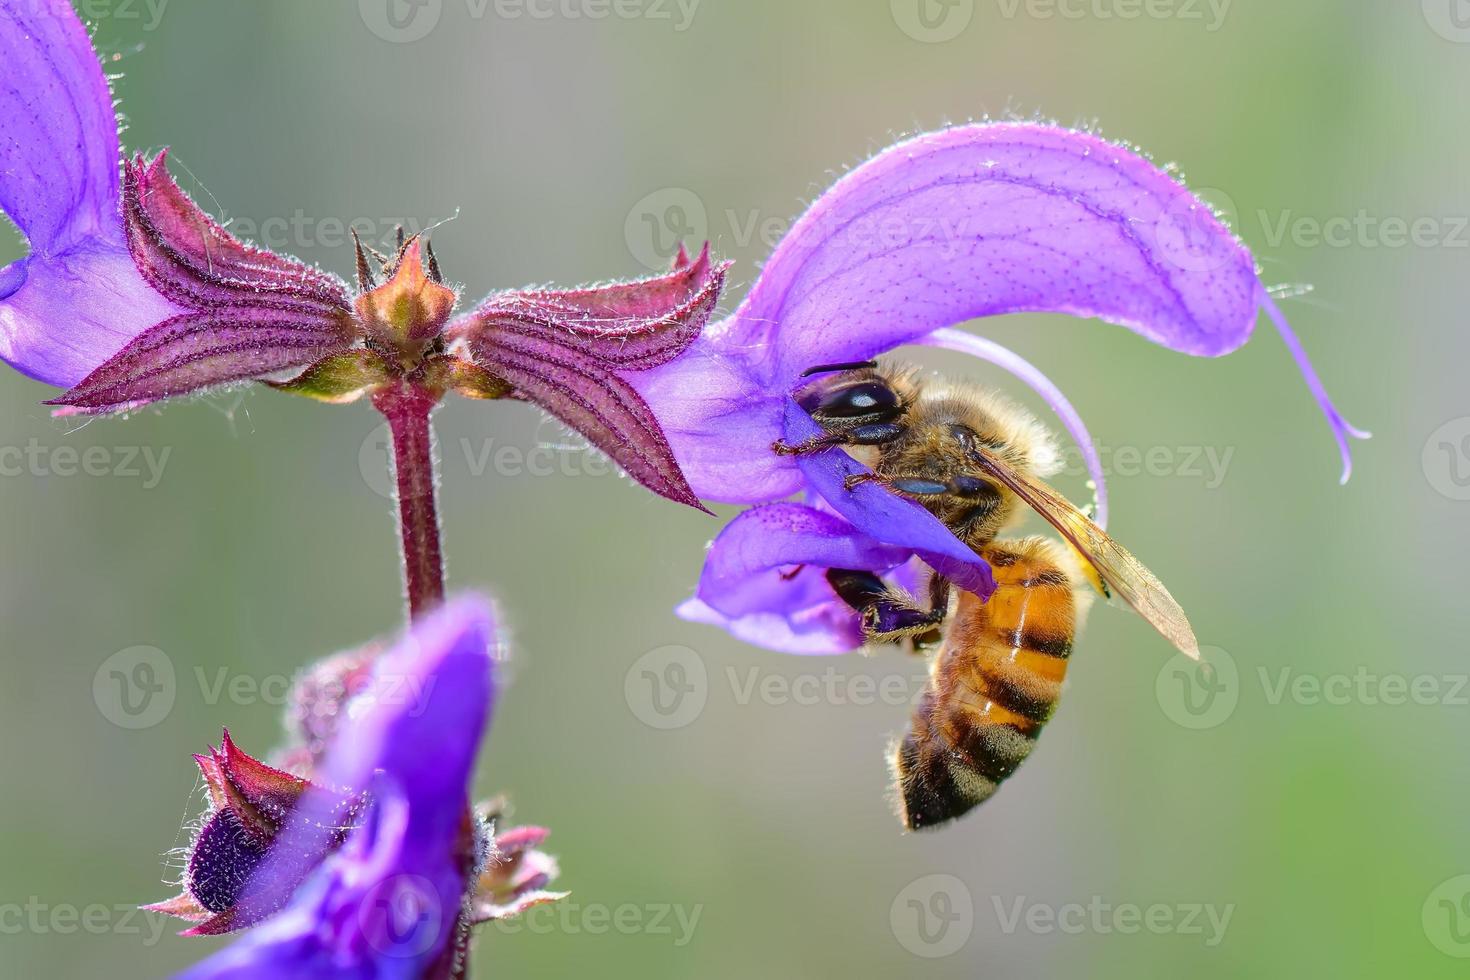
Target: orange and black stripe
x,y
992,686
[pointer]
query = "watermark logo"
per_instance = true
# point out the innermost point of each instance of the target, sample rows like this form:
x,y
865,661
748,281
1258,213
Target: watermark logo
x,y
932,21
1446,917
1446,459
933,916
401,21
660,221
667,687
1199,694
1450,19
135,688
401,916
375,462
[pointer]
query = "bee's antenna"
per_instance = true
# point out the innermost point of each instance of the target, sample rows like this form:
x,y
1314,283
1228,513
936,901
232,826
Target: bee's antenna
x,y
847,366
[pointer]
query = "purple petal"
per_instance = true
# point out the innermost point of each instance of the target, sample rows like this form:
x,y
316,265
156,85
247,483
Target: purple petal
x,y
970,222
1342,430
999,218
77,299
989,350
764,580
720,423
882,515
590,398
201,350
58,131
388,903
76,309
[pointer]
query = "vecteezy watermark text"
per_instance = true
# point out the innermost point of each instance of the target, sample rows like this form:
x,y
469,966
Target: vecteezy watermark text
x,y
486,457
1210,13
406,21
934,916
41,918
119,462
1204,694
145,14
675,922
300,230
936,21
1207,464
669,687
137,688
1099,916
663,219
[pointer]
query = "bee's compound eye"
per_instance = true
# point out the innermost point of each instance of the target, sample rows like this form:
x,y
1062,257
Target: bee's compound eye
x,y
858,400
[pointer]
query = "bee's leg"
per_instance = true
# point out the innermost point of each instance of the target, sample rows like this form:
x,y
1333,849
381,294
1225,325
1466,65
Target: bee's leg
x,y
875,434
938,592
939,589
888,614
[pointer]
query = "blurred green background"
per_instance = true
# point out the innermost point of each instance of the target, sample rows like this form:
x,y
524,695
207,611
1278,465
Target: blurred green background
x,y
1314,789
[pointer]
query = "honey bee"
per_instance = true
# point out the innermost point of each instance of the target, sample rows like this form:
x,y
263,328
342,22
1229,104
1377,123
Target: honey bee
x,y
973,459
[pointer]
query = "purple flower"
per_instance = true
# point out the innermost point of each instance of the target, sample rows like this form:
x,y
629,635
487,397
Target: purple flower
x,y
968,222
132,294
377,867
252,805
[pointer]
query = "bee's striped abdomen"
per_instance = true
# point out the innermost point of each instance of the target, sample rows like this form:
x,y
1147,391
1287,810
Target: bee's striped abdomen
x,y
993,685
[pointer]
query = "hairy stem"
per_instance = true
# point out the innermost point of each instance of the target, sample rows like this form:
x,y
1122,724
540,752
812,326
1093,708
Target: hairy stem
x,y
414,467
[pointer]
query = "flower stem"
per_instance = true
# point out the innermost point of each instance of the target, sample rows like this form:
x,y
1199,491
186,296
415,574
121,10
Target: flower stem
x,y
414,467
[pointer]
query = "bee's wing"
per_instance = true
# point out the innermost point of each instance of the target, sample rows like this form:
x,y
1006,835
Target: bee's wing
x,y
1125,574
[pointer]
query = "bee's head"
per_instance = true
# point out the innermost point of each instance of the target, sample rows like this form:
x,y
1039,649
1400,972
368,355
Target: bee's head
x,y
933,434
853,395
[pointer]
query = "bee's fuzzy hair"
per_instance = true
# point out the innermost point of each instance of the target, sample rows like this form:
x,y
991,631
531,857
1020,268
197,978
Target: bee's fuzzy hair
x,y
1026,435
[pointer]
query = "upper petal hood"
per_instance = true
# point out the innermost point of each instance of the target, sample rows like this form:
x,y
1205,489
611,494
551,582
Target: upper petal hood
x,y
997,218
58,141
76,299
950,226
